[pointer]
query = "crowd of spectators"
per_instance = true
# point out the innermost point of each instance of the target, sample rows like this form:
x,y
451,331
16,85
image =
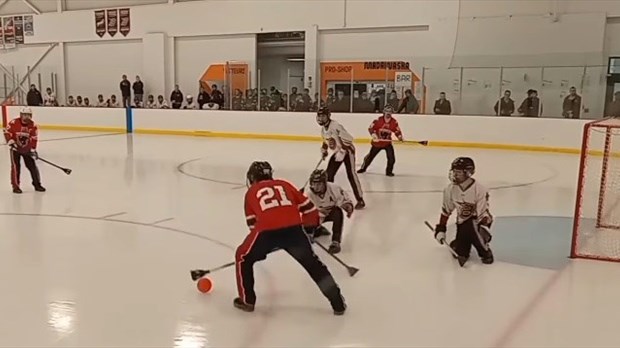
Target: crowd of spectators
x,y
132,94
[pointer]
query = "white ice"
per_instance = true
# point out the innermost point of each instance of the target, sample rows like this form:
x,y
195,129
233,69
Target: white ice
x,y
103,257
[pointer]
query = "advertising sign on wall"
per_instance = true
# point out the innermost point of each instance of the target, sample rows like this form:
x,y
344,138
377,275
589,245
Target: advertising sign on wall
x,y
9,32
28,25
19,29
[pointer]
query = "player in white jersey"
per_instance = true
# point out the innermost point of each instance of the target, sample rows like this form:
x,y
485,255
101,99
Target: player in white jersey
x,y
337,139
331,200
473,221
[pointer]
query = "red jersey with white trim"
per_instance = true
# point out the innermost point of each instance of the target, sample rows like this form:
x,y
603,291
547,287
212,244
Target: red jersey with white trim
x,y
25,134
276,204
384,129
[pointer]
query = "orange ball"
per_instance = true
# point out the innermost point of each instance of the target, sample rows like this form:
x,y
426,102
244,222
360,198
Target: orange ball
x,y
204,285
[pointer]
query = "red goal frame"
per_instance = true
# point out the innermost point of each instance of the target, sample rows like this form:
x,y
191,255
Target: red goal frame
x,y
607,127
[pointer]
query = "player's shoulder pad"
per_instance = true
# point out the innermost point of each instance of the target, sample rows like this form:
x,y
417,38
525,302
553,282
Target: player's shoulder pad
x,y
288,183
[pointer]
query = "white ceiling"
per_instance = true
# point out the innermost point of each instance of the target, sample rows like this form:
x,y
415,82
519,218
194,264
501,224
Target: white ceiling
x,y
13,7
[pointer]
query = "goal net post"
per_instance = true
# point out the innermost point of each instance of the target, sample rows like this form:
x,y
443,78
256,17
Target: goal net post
x,y
596,226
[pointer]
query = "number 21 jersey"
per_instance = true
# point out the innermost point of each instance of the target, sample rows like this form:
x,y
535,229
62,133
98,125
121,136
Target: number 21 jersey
x,y
276,204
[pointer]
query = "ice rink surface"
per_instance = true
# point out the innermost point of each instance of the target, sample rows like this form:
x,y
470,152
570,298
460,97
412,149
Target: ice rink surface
x,y
103,257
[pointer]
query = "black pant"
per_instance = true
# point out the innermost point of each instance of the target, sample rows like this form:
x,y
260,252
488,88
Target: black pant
x,y
294,241
337,217
349,164
126,100
469,234
16,169
374,151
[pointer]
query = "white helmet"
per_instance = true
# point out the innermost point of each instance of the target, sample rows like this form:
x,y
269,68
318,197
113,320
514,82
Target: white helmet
x,y
25,111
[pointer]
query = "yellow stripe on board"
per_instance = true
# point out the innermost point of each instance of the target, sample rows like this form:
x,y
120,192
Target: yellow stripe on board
x,y
285,137
83,128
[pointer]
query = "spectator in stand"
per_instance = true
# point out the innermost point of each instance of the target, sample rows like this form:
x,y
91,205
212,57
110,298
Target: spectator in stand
x,y
341,104
283,102
393,100
217,96
530,107
316,103
330,99
113,103
78,101
247,101
303,101
210,106
34,98
125,87
613,110
505,106
176,98
265,101
162,103
101,103
571,108
442,105
71,101
137,103
150,102
138,90
375,101
87,102
203,97
189,103
363,104
49,98
292,98
54,101
409,104
237,100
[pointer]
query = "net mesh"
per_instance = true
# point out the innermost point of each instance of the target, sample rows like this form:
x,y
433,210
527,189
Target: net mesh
x,y
597,215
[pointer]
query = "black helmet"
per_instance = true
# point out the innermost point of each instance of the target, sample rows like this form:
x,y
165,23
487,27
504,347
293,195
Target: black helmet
x,y
323,115
318,181
259,171
465,164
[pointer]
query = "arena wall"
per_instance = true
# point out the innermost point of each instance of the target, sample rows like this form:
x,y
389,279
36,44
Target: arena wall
x,y
505,133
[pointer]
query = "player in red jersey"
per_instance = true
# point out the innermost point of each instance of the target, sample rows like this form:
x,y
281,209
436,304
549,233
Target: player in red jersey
x,y
381,131
277,212
21,135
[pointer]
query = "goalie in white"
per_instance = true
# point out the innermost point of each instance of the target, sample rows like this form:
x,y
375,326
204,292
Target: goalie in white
x,y
331,200
471,201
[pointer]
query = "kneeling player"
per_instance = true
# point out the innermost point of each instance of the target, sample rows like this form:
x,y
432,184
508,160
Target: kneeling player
x,y
331,201
272,210
471,201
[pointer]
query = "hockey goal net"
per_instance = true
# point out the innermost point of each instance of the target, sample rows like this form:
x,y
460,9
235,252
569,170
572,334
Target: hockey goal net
x,y
596,228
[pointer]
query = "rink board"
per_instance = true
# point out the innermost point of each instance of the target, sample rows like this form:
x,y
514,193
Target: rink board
x,y
483,132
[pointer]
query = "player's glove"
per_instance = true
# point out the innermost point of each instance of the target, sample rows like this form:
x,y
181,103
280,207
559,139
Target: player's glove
x,y
400,138
324,153
34,154
12,145
348,208
440,233
374,136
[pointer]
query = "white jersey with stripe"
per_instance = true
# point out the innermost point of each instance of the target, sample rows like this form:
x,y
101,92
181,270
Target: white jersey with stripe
x,y
470,200
336,137
334,196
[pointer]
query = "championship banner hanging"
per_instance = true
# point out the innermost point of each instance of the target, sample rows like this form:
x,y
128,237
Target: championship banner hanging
x,y
112,22
100,24
19,29
9,32
124,21
28,25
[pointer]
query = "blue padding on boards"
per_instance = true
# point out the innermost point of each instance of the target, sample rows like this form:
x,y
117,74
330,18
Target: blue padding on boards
x,y
535,241
129,119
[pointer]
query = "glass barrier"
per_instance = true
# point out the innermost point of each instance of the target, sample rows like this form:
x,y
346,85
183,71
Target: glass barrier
x,y
357,86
